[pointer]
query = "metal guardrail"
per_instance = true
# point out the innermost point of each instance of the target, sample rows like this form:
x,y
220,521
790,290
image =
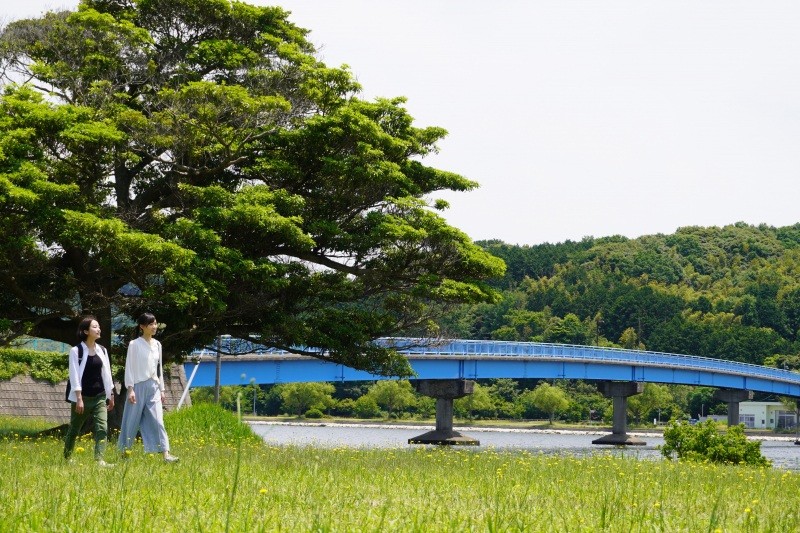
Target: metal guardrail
x,y
589,353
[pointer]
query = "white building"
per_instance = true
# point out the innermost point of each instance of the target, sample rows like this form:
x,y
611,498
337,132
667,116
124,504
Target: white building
x,y
766,415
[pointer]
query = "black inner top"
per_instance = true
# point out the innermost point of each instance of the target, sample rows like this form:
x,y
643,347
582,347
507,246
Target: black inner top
x,y
92,380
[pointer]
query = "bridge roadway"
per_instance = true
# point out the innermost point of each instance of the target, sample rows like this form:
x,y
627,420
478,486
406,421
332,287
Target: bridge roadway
x,y
470,359
446,370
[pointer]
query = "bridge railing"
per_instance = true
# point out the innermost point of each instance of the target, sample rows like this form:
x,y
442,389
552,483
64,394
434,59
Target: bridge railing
x,y
582,352
483,348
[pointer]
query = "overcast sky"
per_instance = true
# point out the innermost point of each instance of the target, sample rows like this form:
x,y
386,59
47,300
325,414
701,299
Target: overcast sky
x,y
583,118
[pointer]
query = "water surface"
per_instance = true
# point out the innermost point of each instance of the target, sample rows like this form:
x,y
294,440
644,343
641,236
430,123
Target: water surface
x,y
780,450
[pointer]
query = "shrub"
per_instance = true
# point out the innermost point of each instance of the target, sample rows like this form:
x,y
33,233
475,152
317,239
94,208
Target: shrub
x,y
344,407
300,397
207,422
314,413
425,407
366,407
45,366
704,442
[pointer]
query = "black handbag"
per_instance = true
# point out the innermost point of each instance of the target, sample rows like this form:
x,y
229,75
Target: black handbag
x,y
69,383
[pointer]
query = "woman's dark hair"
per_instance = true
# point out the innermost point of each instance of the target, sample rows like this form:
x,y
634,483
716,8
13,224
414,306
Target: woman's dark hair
x,y
145,320
84,326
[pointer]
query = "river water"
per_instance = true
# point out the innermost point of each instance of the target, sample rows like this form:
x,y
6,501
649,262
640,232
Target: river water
x,y
780,450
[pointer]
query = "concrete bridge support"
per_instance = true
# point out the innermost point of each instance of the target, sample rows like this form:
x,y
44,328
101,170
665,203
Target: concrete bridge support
x,y
732,397
619,392
445,391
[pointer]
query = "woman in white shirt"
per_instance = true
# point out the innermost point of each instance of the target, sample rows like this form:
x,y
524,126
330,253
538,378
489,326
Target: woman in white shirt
x,y
144,397
91,389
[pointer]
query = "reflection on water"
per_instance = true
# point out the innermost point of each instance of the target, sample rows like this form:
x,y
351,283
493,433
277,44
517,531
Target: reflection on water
x,y
780,450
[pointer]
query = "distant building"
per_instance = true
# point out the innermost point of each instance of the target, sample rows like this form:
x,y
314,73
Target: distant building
x,y
766,415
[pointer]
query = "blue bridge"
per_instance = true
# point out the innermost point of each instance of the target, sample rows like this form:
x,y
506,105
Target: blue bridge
x,y
447,370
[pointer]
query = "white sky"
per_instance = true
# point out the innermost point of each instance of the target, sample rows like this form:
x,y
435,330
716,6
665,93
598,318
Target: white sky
x,y
579,118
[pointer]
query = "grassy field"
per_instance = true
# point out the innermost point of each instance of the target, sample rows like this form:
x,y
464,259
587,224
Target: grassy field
x,y
229,480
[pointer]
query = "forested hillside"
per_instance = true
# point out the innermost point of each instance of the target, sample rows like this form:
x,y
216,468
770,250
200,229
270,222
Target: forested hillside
x,y
730,293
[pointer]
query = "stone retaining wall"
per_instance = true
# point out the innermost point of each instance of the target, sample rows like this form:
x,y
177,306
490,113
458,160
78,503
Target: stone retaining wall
x,y
25,397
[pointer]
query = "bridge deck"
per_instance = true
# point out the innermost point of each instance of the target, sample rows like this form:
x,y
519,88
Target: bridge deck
x,y
465,359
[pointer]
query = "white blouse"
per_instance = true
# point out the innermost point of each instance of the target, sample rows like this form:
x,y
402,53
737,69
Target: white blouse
x,y
143,362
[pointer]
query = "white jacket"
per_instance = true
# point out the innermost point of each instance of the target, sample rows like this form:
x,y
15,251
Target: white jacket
x,y
76,370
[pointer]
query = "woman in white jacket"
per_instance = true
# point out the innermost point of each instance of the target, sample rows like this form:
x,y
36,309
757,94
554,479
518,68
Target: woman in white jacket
x,y
91,388
144,397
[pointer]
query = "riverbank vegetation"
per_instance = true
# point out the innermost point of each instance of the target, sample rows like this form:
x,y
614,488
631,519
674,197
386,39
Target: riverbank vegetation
x,y
229,480
704,442
562,401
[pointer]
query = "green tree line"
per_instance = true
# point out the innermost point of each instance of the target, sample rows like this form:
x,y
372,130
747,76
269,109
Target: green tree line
x,y
576,402
729,292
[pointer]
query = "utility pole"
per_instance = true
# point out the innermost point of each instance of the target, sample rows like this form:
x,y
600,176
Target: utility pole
x,y
797,423
218,369
255,391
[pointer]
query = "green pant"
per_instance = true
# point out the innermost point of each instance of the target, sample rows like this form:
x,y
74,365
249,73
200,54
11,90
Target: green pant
x,y
94,406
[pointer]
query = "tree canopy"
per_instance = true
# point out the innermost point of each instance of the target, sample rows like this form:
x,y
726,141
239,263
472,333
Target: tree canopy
x,y
194,159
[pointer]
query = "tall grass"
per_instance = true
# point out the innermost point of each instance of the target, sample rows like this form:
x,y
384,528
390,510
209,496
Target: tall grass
x,y
207,423
291,488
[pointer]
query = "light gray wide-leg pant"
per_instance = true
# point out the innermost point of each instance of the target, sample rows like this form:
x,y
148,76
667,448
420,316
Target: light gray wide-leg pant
x,y
147,415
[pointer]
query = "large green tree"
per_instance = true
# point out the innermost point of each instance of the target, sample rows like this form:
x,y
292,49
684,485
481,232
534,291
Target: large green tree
x,y
300,397
654,398
392,395
546,398
193,158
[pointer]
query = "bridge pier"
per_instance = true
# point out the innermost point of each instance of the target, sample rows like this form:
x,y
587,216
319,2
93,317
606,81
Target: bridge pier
x,y
732,397
445,391
619,392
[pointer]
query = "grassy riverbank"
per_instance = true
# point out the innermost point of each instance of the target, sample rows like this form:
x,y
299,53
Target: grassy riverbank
x,y
228,479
